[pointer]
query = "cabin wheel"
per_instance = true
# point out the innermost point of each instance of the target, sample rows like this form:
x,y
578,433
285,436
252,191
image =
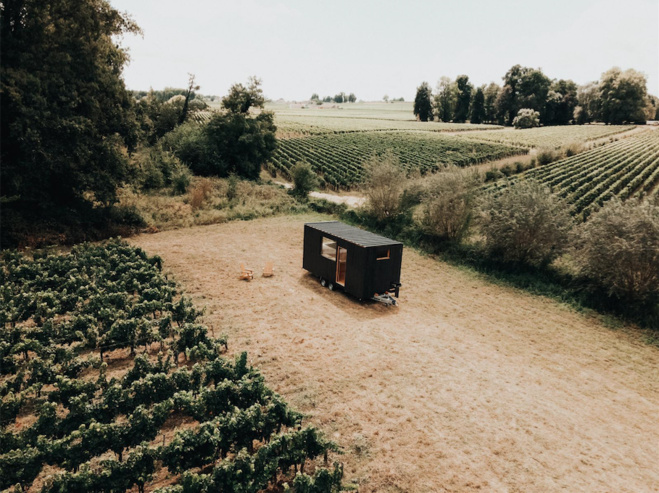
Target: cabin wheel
x,y
331,286
323,282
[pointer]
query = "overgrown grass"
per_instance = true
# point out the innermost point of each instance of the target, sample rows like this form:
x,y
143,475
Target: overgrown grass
x,y
210,201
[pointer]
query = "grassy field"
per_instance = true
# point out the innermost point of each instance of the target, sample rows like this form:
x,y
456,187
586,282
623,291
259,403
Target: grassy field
x,y
466,386
623,169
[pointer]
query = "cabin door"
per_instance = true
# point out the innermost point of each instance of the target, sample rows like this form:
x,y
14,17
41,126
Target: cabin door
x,y
341,262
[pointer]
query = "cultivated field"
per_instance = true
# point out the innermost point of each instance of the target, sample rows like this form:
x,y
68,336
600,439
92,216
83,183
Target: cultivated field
x,y
623,169
338,158
466,386
552,137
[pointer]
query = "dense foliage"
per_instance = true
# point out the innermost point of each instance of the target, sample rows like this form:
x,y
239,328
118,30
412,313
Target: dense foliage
x,y
232,141
619,249
62,320
526,118
423,103
66,114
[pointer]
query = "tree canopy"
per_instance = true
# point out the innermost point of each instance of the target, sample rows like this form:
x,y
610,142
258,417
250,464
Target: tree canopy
x,y
423,102
66,114
623,96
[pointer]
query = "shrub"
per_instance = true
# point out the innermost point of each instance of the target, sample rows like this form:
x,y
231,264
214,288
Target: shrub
x,y
449,206
525,223
180,180
573,148
526,118
187,143
546,156
200,193
385,181
618,248
304,179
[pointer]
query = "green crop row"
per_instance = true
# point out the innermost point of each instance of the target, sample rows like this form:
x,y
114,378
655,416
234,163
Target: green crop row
x,y
338,158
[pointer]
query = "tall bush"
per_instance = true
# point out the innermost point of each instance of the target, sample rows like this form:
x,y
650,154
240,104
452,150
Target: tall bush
x,y
618,248
384,184
304,179
448,208
525,223
526,118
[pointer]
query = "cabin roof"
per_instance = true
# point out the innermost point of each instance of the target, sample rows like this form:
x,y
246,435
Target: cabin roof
x,y
352,234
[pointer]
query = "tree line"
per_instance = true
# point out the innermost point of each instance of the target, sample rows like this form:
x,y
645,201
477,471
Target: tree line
x,y
618,97
341,97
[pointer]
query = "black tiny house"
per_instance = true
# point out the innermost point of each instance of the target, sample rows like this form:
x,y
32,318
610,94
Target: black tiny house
x,y
364,264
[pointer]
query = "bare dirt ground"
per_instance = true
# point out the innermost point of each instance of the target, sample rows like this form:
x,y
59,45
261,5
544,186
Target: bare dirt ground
x,y
466,386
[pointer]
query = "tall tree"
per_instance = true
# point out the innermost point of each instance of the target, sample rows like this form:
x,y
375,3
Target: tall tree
x,y
561,101
66,114
524,87
588,99
478,107
463,99
445,99
491,92
423,102
623,96
241,98
189,94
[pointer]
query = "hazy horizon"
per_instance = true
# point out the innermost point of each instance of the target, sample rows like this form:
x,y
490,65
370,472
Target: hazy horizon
x,y
377,48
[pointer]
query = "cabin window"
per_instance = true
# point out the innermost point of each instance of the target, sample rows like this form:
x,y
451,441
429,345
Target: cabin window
x,y
328,248
383,254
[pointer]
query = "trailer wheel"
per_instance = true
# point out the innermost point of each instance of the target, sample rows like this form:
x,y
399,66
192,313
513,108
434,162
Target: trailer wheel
x,y
323,282
331,286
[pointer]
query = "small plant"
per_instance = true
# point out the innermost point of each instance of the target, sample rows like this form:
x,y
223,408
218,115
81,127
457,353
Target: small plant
x,y
180,180
232,187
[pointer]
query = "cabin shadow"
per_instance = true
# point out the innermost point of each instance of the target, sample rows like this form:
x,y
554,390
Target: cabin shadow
x,y
360,310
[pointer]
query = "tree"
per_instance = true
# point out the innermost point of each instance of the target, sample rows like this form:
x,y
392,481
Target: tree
x,y
188,94
66,114
478,107
233,141
423,102
352,98
588,100
623,96
463,99
524,87
385,98
304,179
241,98
315,97
491,92
527,118
561,102
445,99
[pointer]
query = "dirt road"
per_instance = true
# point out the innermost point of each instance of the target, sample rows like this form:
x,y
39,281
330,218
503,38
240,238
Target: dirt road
x,y
465,386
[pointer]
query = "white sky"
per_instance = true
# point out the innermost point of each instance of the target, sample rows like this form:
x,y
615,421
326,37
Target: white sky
x,y
378,47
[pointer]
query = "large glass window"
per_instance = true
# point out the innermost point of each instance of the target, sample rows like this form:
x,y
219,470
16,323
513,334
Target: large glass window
x,y
328,248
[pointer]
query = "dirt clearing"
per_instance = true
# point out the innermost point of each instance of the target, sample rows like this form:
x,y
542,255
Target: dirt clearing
x,y
465,386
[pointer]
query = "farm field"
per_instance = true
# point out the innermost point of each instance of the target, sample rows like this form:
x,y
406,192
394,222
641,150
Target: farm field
x,y
338,158
466,386
623,169
108,382
552,137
